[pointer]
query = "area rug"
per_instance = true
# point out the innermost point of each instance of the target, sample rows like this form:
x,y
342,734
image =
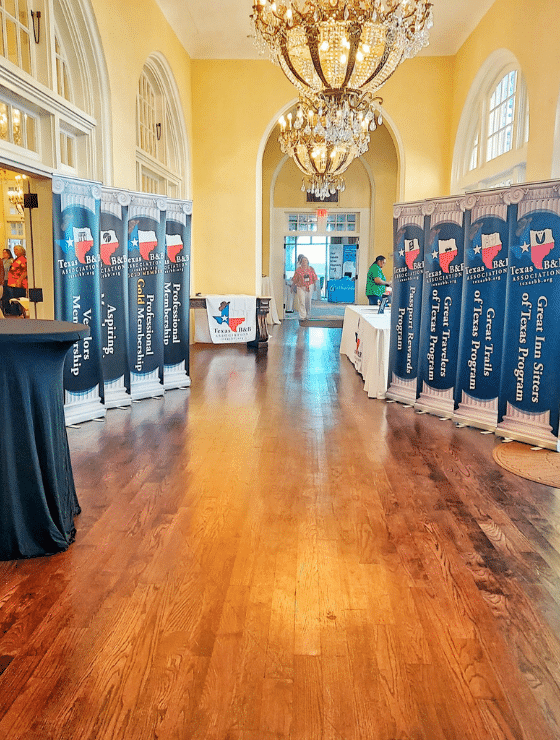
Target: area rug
x,y
323,323
541,466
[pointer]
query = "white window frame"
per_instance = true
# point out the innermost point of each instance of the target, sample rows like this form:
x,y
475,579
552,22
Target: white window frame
x,y
27,29
85,117
475,170
168,163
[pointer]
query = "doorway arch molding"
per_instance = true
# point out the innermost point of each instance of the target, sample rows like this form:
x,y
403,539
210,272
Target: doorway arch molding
x,y
395,135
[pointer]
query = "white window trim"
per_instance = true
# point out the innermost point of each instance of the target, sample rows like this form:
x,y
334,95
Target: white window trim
x,y
475,119
174,129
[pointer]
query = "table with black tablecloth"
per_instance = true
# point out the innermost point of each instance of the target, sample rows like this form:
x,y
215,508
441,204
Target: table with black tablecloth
x,y
37,495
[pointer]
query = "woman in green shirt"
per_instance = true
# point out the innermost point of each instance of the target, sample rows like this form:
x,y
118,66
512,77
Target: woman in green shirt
x,y
376,281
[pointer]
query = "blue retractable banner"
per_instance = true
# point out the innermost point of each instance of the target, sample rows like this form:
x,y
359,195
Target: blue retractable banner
x,y
530,381
114,291
406,301
176,294
441,305
483,313
146,249
76,208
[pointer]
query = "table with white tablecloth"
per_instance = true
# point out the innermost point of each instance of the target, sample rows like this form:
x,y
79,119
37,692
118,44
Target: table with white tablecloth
x,y
365,341
266,289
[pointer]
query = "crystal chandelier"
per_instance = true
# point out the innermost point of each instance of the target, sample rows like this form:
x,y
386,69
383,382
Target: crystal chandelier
x,y
342,49
15,193
324,140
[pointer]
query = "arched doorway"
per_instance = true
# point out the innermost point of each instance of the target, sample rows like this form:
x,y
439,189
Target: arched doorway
x,y
363,213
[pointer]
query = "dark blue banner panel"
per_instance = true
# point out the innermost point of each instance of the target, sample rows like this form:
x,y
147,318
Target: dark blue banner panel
x,y
114,291
76,210
176,294
406,302
530,381
146,253
483,309
441,305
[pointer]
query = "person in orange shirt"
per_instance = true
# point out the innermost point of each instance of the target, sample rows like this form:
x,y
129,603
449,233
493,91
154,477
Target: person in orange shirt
x,y
17,280
304,279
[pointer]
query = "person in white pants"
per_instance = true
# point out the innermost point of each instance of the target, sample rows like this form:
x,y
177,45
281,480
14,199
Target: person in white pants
x,y
304,279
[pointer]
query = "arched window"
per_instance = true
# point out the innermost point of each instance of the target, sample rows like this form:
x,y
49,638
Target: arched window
x,y
491,145
62,73
160,132
61,124
16,44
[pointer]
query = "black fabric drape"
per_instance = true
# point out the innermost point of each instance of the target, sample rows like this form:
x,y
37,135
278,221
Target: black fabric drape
x,y
38,499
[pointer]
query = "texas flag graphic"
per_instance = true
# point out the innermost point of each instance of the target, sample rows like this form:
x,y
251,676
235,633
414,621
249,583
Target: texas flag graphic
x,y
109,244
411,252
447,253
83,242
491,246
542,243
225,318
78,242
143,241
174,244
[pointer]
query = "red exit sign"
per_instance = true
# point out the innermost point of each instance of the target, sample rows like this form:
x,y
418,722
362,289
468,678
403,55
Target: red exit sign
x,y
322,212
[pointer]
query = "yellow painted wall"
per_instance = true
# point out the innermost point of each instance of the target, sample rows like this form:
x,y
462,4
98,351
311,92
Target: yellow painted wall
x,y
128,38
234,103
418,100
530,32
230,106
382,158
130,32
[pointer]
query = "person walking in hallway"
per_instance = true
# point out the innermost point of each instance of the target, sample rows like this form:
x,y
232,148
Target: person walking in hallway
x,y
304,279
376,281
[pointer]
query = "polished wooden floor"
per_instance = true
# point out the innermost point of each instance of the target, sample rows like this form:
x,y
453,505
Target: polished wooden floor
x,y
271,556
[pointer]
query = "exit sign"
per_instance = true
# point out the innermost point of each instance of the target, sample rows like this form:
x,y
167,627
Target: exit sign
x,y
322,212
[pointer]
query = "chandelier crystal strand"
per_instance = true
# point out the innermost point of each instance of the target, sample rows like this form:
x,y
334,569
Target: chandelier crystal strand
x,y
341,47
324,139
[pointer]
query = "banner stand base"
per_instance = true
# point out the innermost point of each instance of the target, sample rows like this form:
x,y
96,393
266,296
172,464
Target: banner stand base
x,y
87,412
116,394
145,385
477,412
528,439
175,376
474,423
434,410
173,383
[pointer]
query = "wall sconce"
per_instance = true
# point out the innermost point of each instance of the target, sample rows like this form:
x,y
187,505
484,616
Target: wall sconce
x,y
36,18
158,131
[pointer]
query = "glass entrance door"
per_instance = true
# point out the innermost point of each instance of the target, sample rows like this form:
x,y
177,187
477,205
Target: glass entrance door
x,y
342,269
315,249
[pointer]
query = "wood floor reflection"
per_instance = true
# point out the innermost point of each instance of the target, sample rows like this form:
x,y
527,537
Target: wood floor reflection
x,y
271,556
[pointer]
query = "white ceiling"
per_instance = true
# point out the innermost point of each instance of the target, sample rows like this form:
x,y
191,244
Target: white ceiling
x,y
220,29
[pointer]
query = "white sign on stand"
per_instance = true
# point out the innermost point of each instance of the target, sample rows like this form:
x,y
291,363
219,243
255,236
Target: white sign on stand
x,y
335,262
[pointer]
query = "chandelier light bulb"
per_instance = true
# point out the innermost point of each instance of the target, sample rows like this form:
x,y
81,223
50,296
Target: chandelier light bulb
x,y
340,47
334,135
